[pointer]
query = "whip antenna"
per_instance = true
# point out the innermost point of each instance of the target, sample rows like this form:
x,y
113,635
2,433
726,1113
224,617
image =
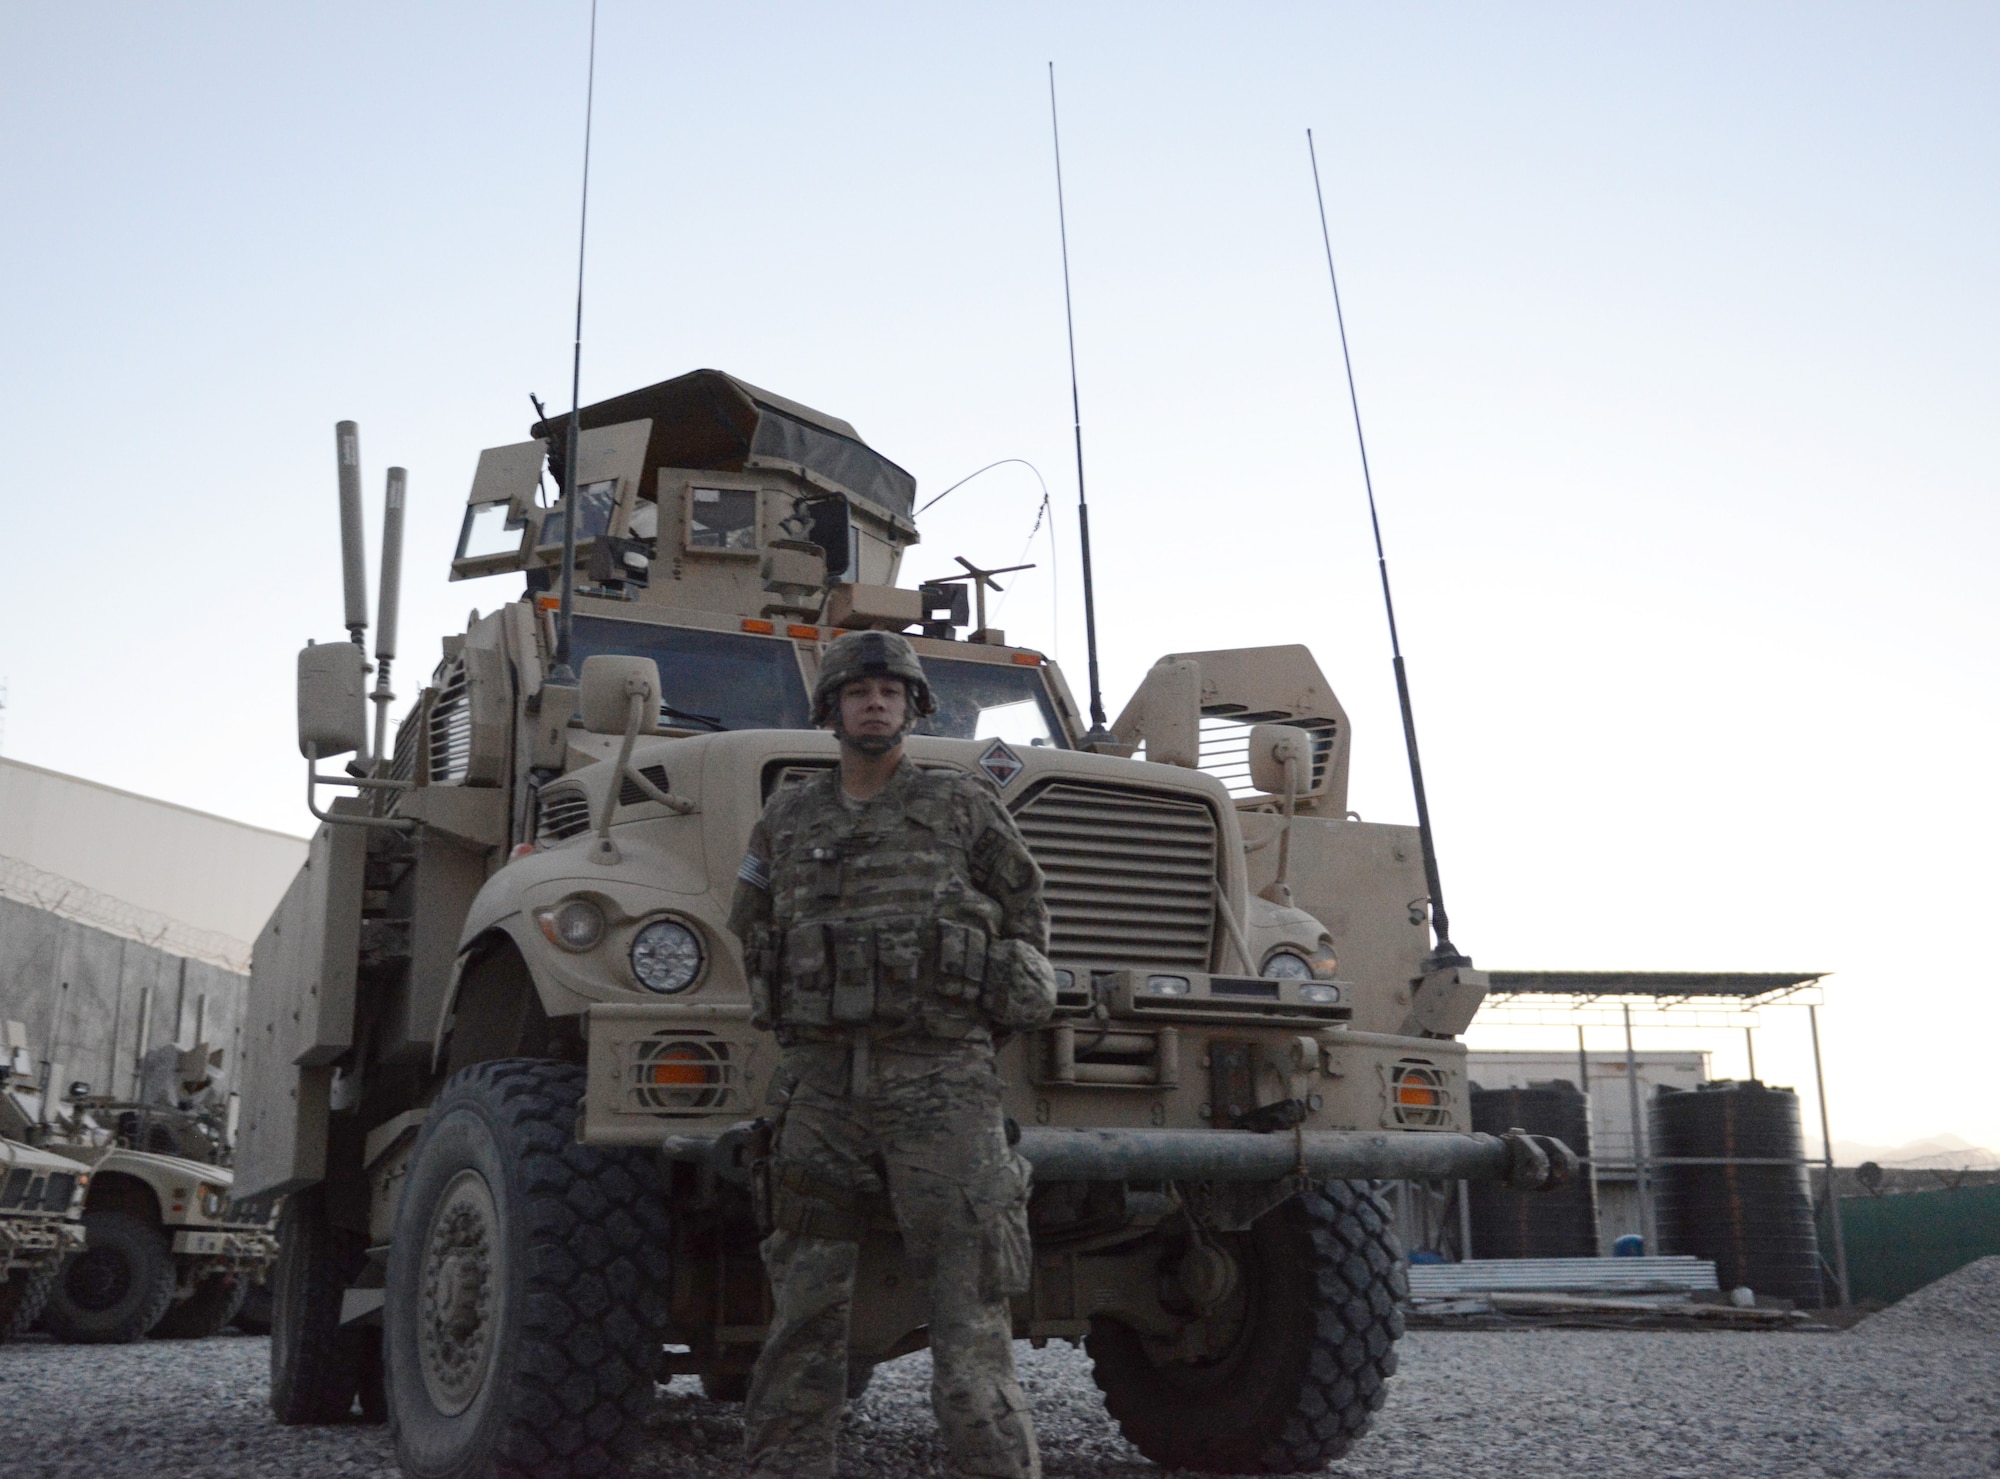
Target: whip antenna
x,y
1098,733
560,671
1446,954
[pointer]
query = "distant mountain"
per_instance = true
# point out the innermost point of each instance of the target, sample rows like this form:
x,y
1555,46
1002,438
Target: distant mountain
x,y
1943,1152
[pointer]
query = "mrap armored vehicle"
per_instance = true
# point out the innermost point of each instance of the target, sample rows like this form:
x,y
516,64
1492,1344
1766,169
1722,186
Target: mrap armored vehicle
x,y
499,1055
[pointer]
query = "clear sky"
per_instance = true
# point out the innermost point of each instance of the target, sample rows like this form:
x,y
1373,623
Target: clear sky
x,y
1675,330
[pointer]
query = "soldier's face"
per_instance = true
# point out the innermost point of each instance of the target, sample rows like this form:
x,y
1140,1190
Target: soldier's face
x,y
873,709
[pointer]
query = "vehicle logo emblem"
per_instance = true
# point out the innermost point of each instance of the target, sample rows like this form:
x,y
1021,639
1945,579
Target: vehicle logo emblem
x,y
1001,763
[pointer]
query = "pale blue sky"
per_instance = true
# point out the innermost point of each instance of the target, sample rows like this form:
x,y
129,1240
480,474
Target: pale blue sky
x,y
1675,331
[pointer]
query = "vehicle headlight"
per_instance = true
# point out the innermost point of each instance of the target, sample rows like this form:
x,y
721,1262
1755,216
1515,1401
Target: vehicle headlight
x,y
1167,986
666,956
1319,994
214,1202
575,925
1286,965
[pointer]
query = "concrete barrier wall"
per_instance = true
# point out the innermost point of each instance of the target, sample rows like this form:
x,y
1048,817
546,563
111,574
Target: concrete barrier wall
x,y
101,1000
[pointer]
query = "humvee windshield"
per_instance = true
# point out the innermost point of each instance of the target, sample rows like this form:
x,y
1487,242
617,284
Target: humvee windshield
x,y
720,680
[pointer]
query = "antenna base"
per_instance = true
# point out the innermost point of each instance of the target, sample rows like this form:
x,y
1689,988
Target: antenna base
x,y
1446,957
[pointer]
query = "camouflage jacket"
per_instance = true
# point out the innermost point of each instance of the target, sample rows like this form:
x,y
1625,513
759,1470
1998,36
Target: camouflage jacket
x,y
919,911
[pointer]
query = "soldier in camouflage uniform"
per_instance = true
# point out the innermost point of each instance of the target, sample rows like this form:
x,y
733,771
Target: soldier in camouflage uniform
x,y
893,923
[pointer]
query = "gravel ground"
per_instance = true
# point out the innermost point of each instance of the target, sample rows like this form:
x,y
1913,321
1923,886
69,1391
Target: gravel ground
x,y
1914,1391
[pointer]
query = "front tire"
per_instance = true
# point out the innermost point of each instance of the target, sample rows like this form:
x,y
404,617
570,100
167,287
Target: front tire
x,y
23,1293
117,1288
527,1285
315,1360
203,1313
1303,1368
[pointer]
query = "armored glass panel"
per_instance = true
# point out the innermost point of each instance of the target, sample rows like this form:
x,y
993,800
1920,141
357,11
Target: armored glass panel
x,y
723,518
598,502
978,700
708,680
487,531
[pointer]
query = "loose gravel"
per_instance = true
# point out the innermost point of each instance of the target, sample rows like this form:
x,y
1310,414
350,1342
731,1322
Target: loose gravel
x,y
1914,1391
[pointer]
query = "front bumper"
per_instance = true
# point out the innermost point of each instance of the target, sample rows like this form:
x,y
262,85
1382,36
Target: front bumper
x,y
236,1250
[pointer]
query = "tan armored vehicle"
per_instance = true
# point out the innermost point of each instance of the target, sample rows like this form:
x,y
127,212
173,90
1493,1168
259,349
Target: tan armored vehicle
x,y
41,1224
166,1253
500,1063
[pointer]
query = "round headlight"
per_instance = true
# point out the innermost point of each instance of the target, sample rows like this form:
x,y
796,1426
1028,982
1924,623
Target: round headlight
x,y
577,925
666,956
1287,965
214,1202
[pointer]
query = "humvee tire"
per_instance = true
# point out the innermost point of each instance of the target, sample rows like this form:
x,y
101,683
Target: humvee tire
x,y
528,1284
1322,1282
23,1293
117,1288
203,1313
315,1360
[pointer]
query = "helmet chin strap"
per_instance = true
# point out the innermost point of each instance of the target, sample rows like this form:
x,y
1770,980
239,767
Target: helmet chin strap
x,y
873,744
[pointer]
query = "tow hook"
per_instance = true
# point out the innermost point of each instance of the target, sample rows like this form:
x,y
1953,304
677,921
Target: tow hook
x,y
1538,1162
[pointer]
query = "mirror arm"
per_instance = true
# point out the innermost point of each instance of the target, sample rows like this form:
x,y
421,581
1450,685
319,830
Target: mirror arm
x,y
314,780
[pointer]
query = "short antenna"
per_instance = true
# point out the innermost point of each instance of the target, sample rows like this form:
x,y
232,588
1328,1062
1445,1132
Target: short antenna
x,y
1446,954
1098,733
560,671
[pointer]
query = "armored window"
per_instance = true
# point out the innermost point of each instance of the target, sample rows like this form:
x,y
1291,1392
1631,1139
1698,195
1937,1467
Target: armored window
x,y
722,519
708,680
599,501
489,529
981,700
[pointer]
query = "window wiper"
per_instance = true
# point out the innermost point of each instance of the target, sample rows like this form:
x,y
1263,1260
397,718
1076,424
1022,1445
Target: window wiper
x,y
707,721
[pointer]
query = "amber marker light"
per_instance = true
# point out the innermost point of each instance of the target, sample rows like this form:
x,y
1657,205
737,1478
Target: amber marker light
x,y
683,1067
803,634
1028,659
761,628
1418,1095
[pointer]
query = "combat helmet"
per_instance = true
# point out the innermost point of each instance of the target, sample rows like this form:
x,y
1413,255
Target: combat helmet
x,y
854,655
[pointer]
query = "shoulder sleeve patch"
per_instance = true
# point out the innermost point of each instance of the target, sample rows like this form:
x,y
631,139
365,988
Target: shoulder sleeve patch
x,y
755,871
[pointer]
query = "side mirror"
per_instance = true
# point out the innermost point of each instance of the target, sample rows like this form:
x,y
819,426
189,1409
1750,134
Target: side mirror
x,y
1275,749
333,703
608,684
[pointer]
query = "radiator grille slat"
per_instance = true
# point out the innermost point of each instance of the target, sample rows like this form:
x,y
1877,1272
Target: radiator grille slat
x,y
1131,874
565,812
450,728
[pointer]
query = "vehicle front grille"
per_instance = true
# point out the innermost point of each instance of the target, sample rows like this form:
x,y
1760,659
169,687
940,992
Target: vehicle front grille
x,y
450,727
1131,874
61,1187
565,812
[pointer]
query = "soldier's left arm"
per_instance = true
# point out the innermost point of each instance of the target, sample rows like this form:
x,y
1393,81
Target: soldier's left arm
x,y
1005,871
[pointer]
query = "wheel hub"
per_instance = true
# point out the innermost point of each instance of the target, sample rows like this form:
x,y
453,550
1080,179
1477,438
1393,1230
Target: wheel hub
x,y
460,1294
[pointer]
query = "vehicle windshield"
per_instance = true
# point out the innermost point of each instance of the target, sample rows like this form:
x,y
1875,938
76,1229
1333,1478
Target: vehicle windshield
x,y
983,700
708,680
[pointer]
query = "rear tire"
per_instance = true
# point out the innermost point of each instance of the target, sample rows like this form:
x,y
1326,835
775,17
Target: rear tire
x,y
315,1360
1323,1281
203,1313
527,1286
117,1288
22,1295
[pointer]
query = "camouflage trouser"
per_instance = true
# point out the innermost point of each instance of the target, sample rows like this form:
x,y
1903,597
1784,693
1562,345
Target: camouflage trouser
x,y
931,1119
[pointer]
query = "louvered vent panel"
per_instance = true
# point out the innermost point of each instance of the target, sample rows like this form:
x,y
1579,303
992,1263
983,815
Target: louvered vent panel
x,y
565,812
629,793
450,728
1131,874
1225,747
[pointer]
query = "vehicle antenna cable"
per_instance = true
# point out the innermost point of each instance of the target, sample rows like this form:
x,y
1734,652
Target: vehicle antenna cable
x,y
1098,733
1446,954
560,671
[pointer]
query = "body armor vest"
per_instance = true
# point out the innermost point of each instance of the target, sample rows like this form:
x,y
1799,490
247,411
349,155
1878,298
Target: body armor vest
x,y
878,918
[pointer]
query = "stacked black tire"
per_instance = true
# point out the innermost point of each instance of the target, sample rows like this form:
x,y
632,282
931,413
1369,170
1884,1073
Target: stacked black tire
x,y
1536,1224
1755,1221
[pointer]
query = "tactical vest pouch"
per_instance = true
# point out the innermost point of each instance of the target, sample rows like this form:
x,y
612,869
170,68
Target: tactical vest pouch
x,y
853,944
961,959
899,953
806,998
1020,987
760,960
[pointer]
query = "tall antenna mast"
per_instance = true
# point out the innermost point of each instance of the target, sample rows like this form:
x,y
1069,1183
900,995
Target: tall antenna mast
x,y
560,671
1098,732
1446,954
